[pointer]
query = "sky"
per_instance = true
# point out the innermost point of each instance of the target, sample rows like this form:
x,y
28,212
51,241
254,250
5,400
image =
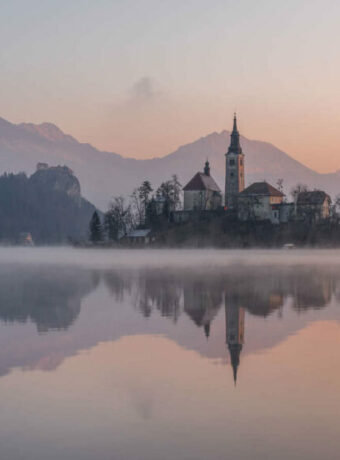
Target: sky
x,y
141,78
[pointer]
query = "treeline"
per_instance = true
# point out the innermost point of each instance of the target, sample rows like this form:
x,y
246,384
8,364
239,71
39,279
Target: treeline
x,y
35,205
145,208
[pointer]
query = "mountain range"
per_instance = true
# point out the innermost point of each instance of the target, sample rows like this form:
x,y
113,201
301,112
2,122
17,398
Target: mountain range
x,y
103,175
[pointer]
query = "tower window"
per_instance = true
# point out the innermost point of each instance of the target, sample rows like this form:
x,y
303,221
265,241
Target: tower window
x,y
232,162
231,174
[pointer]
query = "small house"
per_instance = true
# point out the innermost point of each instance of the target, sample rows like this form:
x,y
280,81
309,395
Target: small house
x,y
141,237
260,201
313,205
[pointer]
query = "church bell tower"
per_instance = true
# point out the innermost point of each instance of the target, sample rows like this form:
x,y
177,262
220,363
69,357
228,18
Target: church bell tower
x,y
234,176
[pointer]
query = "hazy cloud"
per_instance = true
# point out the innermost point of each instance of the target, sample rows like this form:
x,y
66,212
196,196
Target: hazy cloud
x,y
144,89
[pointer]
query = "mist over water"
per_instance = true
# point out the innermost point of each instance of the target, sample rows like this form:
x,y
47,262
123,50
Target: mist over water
x,y
168,258
168,354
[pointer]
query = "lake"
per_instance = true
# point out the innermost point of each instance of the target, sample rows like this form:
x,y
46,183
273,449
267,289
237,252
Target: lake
x,y
179,354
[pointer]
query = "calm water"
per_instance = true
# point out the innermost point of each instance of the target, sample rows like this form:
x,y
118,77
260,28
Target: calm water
x,y
169,355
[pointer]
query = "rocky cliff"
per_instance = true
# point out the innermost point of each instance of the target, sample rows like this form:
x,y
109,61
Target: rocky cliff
x,y
47,205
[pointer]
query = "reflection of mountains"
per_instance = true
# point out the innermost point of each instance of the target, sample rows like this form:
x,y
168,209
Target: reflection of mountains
x,y
50,298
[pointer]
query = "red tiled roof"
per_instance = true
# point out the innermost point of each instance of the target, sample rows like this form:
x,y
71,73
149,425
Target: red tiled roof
x,y
261,188
201,181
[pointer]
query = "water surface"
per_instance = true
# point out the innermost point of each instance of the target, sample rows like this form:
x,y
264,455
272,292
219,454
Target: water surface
x,y
169,354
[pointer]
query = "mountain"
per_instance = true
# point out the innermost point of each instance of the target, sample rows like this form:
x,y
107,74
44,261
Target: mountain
x,y
48,205
103,174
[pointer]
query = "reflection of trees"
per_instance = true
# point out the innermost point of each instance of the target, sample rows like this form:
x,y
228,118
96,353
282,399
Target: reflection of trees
x,y
118,284
148,289
313,290
49,297
160,292
259,290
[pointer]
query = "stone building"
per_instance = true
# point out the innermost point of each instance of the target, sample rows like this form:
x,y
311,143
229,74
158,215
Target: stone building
x,y
260,201
202,193
312,206
234,177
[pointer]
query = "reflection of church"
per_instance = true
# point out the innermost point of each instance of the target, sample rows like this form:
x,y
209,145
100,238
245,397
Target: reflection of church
x,y
202,303
234,316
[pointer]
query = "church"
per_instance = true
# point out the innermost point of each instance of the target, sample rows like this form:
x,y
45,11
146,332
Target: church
x,y
259,201
202,193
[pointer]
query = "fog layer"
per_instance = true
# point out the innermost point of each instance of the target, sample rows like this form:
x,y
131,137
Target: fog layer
x,y
181,258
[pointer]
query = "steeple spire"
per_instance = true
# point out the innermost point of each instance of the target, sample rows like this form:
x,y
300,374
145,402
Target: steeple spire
x,y
235,351
207,168
235,146
235,123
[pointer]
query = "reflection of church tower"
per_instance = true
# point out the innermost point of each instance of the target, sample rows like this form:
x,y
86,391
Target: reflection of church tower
x,y
234,317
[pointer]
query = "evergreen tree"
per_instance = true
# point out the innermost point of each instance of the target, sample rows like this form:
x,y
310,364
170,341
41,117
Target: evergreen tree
x,y
144,192
151,218
96,232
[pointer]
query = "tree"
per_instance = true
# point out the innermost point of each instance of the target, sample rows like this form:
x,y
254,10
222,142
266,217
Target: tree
x,y
117,220
144,193
336,206
137,208
96,231
171,191
299,188
279,184
151,216
140,199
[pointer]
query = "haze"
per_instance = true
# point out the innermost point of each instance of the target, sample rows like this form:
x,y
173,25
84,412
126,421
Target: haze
x,y
141,78
197,259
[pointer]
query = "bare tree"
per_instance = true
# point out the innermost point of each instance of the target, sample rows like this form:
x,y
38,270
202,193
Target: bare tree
x,y
279,184
299,188
118,219
171,191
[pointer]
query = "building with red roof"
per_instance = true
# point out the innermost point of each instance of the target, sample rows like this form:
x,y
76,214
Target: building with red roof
x,y
202,193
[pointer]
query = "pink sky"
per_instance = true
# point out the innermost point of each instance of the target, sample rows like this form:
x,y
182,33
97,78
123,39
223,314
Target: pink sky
x,y
142,78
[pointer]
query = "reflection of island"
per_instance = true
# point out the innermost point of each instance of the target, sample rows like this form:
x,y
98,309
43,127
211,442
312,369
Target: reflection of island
x,y
49,298
234,317
261,292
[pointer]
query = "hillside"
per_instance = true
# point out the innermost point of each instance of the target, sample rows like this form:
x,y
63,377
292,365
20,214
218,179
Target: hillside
x,y
48,205
104,174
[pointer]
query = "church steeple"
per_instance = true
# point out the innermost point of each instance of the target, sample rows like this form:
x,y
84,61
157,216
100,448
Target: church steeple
x,y
234,173
235,146
207,168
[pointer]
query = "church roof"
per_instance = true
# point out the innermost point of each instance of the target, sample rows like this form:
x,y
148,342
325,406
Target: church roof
x,y
201,181
313,197
261,188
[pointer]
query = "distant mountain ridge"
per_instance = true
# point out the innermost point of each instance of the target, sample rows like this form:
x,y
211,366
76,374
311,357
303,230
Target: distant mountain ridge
x,y
103,175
